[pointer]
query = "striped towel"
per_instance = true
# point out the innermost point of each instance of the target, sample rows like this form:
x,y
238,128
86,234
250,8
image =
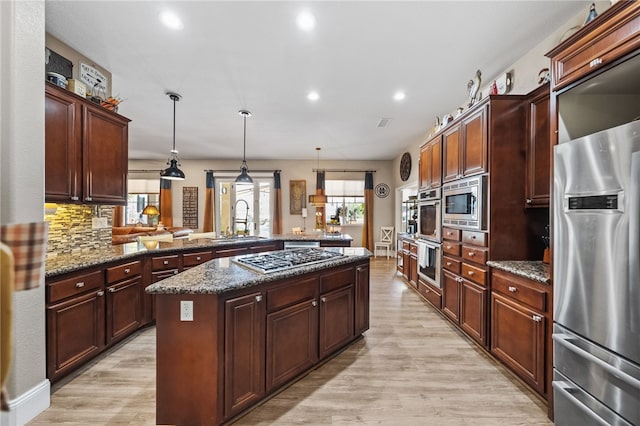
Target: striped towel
x,y
28,242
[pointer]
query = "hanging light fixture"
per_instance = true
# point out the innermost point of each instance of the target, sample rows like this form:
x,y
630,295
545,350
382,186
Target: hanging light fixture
x,y
318,199
173,172
244,177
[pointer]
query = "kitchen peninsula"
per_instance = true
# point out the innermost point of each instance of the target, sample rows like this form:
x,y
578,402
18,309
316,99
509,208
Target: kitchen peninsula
x,y
229,336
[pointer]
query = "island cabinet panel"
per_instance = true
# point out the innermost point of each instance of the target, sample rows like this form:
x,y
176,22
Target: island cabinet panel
x,y
244,352
124,314
362,299
75,332
189,355
336,320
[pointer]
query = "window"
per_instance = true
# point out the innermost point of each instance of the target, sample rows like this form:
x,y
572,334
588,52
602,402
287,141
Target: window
x,y
244,208
142,192
345,198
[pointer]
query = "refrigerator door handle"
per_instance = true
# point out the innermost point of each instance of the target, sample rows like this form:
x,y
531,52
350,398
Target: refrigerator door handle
x,y
566,341
634,244
579,399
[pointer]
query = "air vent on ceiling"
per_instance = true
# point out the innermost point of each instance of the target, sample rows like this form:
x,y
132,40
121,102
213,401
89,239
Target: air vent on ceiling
x,y
384,122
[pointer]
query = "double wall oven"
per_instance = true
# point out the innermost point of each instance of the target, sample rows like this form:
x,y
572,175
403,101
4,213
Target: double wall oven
x,y
429,244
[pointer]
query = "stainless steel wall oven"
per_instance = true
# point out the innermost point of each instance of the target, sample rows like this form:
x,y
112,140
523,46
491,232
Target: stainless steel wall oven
x,y
430,214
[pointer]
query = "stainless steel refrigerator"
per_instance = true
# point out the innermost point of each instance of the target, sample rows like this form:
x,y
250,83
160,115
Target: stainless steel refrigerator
x,y
596,276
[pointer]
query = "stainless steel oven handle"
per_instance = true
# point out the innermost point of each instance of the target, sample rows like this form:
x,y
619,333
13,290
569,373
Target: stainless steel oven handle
x,y
565,340
577,397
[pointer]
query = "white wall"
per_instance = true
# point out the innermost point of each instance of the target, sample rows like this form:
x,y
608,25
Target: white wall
x,y
22,190
290,170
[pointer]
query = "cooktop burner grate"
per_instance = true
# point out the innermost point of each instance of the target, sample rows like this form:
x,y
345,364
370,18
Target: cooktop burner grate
x,y
286,259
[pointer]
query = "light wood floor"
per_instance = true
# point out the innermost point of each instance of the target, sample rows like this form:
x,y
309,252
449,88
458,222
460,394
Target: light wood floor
x,y
411,368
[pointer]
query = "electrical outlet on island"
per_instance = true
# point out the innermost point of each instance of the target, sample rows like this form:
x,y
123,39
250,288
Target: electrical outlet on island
x,y
186,310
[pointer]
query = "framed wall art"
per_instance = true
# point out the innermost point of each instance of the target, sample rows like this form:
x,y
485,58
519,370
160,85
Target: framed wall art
x,y
297,196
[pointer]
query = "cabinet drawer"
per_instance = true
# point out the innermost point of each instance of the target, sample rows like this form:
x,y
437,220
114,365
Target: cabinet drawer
x,y
405,245
165,262
73,286
519,289
474,273
474,238
291,293
229,252
475,254
451,234
452,265
434,297
451,248
413,248
334,280
194,259
161,275
605,42
121,272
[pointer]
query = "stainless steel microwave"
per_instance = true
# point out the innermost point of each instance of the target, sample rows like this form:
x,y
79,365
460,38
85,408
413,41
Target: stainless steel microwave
x,y
464,203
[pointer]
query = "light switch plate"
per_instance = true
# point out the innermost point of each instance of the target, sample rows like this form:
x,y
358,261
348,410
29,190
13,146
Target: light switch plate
x,y
186,310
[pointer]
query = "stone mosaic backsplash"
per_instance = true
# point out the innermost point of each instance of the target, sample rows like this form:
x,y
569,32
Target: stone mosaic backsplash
x,y
71,228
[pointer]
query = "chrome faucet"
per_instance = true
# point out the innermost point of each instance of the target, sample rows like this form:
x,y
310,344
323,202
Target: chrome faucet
x,y
236,220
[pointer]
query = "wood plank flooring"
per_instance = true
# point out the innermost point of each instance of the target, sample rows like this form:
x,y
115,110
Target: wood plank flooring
x,y
411,368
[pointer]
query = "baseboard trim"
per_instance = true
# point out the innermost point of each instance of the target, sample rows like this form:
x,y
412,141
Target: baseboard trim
x,y
28,405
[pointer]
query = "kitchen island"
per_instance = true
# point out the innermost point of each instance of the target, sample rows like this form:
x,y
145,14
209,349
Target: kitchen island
x,y
229,336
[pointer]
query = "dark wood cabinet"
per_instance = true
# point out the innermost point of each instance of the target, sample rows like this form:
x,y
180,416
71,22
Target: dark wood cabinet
x,y
519,321
123,309
75,322
413,270
189,260
336,316
451,295
465,150
473,310
430,171
451,153
362,299
86,150
538,177
244,352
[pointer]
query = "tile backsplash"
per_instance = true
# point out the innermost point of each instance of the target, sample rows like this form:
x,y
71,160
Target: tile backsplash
x,y
71,228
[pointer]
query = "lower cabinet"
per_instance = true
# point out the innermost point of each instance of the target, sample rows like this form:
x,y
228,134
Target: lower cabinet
x,y
244,350
362,299
451,295
336,320
473,310
519,320
123,300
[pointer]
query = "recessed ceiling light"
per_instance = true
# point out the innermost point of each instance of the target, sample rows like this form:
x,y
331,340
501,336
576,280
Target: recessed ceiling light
x,y
399,96
306,21
313,96
171,20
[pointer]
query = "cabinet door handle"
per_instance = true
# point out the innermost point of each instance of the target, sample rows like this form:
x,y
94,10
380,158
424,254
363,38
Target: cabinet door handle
x,y
471,254
198,258
259,298
314,303
112,290
165,262
426,290
88,199
449,247
448,263
595,62
100,293
80,284
470,272
126,271
529,201
323,299
512,289
449,233
74,198
175,271
536,318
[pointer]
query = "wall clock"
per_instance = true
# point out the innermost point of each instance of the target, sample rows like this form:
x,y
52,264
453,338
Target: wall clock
x,y
405,166
382,190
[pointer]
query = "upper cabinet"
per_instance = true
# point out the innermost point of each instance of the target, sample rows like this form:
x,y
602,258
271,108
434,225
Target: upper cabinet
x,y
538,149
86,150
430,175
465,146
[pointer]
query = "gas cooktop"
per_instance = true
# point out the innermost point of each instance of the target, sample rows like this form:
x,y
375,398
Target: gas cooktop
x,y
276,261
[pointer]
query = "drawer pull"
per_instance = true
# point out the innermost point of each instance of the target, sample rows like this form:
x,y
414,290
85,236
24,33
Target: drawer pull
x,y
471,254
165,262
448,263
595,62
198,258
259,298
536,318
426,290
74,198
88,199
314,303
126,271
529,201
112,290
449,247
470,272
512,289
323,299
449,233
80,284
100,293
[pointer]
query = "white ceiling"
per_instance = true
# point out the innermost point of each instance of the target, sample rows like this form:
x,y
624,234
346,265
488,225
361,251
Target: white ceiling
x,y
251,55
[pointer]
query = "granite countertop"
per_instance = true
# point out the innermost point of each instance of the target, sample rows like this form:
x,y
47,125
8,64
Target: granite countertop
x,y
222,275
532,269
61,264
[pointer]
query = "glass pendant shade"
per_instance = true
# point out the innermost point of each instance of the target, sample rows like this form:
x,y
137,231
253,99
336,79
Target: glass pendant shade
x,y
173,172
244,177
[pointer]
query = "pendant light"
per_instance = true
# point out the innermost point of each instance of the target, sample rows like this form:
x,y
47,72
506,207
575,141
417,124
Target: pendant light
x,y
173,172
318,199
244,177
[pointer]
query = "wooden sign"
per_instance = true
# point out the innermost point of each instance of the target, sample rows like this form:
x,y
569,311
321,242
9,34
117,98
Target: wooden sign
x,y
190,207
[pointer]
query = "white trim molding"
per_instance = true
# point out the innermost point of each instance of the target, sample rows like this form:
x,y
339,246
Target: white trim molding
x,y
28,405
